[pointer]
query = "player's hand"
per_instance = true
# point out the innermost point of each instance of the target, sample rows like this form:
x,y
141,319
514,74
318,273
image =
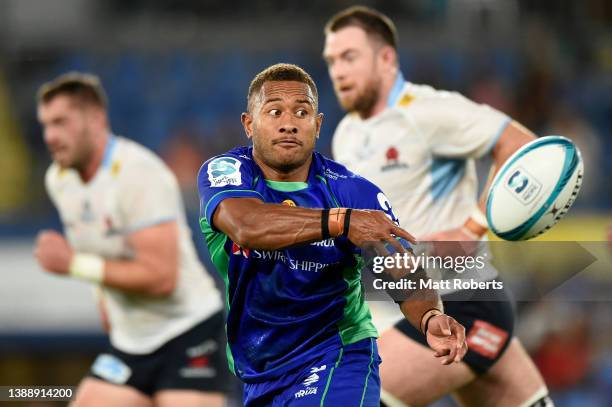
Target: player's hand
x,y
368,227
53,252
446,337
452,242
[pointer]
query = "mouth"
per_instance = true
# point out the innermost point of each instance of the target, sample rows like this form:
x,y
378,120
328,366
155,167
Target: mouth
x,y
345,89
288,143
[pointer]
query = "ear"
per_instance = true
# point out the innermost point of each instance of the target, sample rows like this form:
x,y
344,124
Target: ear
x,y
388,55
247,123
97,116
319,121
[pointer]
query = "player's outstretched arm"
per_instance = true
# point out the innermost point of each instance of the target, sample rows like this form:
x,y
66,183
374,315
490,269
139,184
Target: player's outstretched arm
x,y
512,138
251,223
153,270
444,334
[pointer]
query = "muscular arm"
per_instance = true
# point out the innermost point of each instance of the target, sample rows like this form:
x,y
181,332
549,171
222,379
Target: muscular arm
x,y
251,223
513,137
154,268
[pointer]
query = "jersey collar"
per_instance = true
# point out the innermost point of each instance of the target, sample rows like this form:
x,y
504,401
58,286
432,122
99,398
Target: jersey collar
x,y
108,151
396,90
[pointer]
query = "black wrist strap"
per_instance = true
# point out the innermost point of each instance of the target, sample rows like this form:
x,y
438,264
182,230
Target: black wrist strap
x,y
427,323
347,222
424,326
325,224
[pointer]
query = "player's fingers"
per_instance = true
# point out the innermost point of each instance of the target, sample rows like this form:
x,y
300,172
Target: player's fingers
x,y
396,244
442,350
452,354
459,332
379,248
461,352
444,325
397,231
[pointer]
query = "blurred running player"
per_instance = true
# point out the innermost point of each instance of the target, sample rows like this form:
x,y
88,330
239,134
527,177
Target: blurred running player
x,y
419,145
277,222
126,233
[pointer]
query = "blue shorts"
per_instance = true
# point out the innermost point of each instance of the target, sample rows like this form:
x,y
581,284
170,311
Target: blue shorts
x,y
345,377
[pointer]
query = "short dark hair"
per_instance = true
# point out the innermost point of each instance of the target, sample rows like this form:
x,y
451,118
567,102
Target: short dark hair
x,y
85,87
281,72
373,22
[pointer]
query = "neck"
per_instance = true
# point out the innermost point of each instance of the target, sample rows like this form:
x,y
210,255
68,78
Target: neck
x,y
385,90
89,169
299,174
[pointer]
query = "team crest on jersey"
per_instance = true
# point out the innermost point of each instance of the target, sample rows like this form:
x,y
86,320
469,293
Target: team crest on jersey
x,y
288,202
393,161
224,171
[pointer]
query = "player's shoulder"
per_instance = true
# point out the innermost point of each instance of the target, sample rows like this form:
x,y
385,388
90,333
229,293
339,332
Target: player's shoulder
x,y
415,96
55,176
238,160
342,181
130,162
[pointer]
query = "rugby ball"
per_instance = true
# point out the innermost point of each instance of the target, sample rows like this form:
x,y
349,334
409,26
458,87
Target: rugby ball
x,y
535,188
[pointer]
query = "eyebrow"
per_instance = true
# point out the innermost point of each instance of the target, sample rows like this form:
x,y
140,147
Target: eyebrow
x,y
342,54
306,101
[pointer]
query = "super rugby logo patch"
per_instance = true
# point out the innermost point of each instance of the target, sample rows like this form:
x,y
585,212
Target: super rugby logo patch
x,y
224,171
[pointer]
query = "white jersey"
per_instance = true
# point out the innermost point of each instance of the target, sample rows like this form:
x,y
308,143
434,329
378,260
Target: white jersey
x,y
420,151
132,190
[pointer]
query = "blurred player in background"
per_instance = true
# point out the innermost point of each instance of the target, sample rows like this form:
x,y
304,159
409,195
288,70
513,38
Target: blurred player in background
x,y
419,145
126,233
278,223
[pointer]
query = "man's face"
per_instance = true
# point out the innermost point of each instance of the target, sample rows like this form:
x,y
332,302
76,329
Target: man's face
x,y
283,124
352,63
66,130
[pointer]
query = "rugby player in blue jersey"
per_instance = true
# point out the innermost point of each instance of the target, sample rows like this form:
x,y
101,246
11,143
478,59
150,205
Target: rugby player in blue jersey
x,y
285,227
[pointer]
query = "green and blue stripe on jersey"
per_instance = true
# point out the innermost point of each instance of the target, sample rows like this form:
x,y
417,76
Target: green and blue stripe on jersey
x,y
287,306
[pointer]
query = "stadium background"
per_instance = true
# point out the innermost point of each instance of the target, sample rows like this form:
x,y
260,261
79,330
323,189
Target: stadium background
x,y
177,73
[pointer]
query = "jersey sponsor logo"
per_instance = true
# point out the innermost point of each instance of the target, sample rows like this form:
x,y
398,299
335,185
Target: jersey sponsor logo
x,y
198,360
306,392
111,369
486,339
292,264
224,171
312,378
333,175
238,250
393,162
331,242
523,186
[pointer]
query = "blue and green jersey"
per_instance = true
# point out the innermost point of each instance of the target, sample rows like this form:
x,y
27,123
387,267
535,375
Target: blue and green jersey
x,y
287,306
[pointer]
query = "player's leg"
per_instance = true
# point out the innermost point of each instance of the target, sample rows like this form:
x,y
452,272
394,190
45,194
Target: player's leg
x,y
512,381
194,369
93,392
411,375
188,398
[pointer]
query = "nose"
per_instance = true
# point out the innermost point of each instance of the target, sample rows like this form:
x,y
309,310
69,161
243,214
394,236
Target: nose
x,y
288,128
337,71
49,136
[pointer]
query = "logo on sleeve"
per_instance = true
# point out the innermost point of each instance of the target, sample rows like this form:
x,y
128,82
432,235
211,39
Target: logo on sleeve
x,y
224,171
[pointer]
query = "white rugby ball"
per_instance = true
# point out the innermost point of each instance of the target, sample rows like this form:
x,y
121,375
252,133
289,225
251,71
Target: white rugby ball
x,y
535,187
